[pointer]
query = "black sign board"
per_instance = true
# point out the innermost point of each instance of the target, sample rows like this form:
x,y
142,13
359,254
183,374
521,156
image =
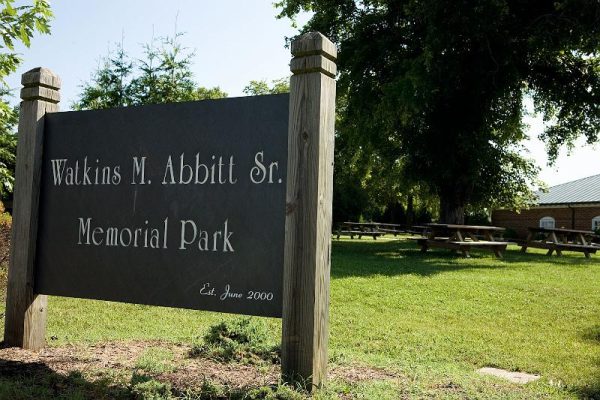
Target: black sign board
x,y
179,205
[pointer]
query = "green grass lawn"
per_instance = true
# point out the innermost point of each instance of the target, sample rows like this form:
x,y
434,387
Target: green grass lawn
x,y
432,319
438,317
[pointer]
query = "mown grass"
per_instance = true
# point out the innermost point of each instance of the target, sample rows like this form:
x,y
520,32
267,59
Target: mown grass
x,y
431,318
438,317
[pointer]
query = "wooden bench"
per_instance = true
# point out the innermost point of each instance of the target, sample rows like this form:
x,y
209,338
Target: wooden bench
x,y
462,238
360,234
394,229
557,240
359,229
463,246
391,230
560,247
418,230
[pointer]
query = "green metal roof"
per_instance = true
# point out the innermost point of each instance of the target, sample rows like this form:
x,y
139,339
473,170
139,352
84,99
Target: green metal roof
x,y
584,190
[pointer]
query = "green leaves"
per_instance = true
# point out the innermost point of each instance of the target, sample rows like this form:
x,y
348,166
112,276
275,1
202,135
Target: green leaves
x,y
439,84
256,88
566,90
110,84
163,75
8,148
20,23
17,24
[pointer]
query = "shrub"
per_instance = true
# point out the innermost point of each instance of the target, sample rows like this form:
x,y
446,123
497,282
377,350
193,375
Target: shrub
x,y
146,388
5,231
279,392
241,330
242,340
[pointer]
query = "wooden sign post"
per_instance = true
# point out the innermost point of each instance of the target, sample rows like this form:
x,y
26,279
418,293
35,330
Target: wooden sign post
x,y
25,319
308,210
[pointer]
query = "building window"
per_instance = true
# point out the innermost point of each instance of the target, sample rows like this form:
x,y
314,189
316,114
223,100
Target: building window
x,y
548,223
596,223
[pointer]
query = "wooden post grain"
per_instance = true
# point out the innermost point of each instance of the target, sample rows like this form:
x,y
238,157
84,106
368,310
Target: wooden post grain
x,y
25,317
308,210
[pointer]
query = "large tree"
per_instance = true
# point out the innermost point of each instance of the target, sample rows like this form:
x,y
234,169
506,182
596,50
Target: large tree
x,y
18,24
443,82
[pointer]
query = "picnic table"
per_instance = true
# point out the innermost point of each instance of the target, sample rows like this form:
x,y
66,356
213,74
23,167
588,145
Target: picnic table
x,y
462,238
559,239
374,229
418,229
394,229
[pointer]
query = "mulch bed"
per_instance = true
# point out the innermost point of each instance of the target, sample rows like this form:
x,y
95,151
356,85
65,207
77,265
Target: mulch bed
x,y
187,372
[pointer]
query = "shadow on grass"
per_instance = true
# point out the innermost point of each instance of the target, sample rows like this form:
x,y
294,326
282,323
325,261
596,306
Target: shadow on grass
x,y
398,257
592,334
590,391
34,380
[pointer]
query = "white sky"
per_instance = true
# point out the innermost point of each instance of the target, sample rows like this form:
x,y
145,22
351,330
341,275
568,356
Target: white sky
x,y
583,161
235,41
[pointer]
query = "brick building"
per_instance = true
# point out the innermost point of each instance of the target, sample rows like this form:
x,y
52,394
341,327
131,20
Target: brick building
x,y
571,205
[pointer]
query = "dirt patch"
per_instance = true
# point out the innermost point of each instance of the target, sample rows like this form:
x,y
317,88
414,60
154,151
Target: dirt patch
x,y
511,376
360,373
3,280
187,373
5,233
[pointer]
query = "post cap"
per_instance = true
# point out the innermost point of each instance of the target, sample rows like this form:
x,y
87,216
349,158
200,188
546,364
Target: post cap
x,y
314,43
313,52
40,84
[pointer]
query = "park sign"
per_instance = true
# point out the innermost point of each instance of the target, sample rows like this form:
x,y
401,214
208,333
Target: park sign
x,y
220,205
179,205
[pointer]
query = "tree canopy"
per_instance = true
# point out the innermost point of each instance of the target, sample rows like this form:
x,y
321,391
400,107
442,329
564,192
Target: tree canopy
x,y
163,75
439,86
18,24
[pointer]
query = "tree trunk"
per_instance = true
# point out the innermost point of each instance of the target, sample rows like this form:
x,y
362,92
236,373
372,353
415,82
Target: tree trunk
x,y
452,205
410,212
